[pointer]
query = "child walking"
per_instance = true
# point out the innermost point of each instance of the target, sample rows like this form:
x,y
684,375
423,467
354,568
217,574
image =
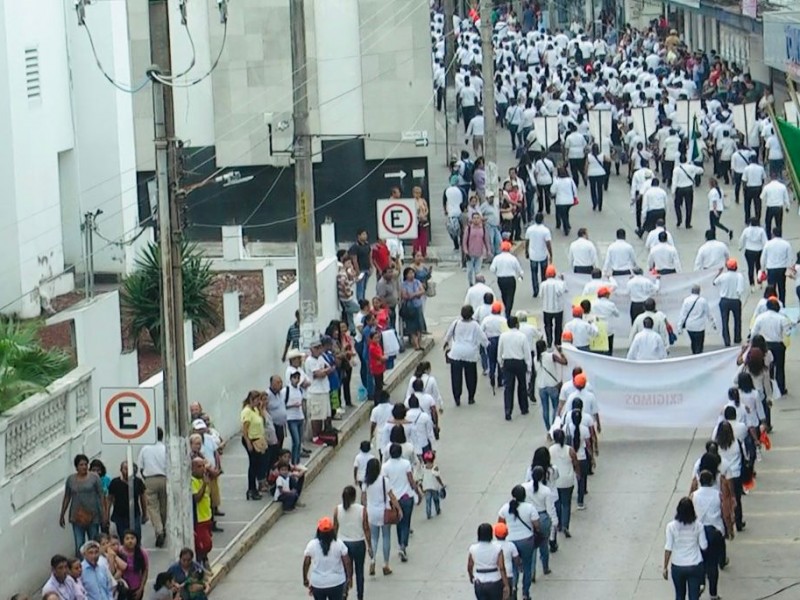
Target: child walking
x,y
432,484
360,463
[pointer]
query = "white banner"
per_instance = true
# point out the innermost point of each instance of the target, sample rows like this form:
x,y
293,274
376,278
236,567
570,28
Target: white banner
x,y
685,392
599,124
673,289
546,129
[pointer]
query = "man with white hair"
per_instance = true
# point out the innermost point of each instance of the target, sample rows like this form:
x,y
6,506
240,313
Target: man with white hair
x,y
693,318
640,181
476,292
647,344
533,334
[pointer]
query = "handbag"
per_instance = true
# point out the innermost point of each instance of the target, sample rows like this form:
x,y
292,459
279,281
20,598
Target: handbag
x,y
82,517
443,493
391,515
430,289
447,346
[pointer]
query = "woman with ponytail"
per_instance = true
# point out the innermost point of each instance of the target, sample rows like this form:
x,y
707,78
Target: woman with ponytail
x,y
540,496
716,205
522,520
351,525
565,461
578,437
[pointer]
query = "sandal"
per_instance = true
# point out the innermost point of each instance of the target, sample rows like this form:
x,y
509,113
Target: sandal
x,y
372,567
387,570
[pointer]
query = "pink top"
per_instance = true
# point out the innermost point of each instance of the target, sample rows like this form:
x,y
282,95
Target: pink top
x,y
474,241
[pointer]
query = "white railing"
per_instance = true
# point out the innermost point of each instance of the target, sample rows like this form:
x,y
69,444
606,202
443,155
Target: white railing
x,y
30,430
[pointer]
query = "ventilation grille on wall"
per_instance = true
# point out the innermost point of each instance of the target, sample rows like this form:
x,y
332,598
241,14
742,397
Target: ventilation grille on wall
x,y
32,83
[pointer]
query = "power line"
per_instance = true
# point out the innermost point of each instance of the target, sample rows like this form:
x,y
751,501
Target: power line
x,y
173,83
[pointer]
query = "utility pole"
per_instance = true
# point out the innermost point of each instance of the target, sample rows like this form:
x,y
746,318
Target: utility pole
x,y
303,178
487,50
450,101
179,528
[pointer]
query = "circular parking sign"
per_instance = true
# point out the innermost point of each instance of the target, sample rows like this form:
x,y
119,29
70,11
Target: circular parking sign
x,y
397,218
127,415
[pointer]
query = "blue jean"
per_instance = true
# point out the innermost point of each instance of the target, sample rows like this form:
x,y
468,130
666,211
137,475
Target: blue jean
x,y
404,526
564,507
537,274
688,579
361,286
84,534
473,268
526,554
296,433
544,548
350,308
431,500
376,532
485,355
549,398
493,232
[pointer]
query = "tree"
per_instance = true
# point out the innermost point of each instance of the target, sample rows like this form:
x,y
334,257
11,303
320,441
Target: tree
x,y
141,293
25,367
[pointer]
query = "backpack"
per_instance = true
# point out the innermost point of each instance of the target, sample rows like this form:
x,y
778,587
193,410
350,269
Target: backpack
x,y
469,170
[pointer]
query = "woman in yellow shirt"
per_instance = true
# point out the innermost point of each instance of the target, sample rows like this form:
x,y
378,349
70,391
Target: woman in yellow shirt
x,y
254,441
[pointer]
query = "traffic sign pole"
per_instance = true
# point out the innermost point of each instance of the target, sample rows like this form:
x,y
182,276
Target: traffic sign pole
x,y
131,491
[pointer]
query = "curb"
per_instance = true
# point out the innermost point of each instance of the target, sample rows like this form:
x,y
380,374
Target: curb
x,y
269,515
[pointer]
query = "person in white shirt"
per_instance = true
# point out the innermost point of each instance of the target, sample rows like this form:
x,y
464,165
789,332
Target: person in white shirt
x,y
716,204
664,257
476,293
486,565
475,130
693,318
564,191
463,340
731,291
652,237
522,520
595,170
739,161
640,183
707,502
774,151
683,189
470,100
670,152
776,257
603,308
326,570
492,326
553,290
647,344
538,250
575,145
686,541
653,207
507,269
582,331
639,289
582,253
776,199
514,358
620,257
753,178
774,326
453,199
726,147
596,282
712,254
543,171
752,242
153,467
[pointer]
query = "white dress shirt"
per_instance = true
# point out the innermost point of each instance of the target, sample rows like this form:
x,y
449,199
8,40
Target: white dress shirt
x,y
683,175
492,325
453,199
537,236
513,344
605,309
476,126
640,288
654,198
591,286
582,253
465,337
153,460
716,202
475,295
685,543
753,238
740,160
563,191
731,285
664,256
753,175
576,145
711,255
506,264
777,254
652,238
551,292
659,325
620,256
708,507
582,331
640,182
694,314
647,345
774,326
775,194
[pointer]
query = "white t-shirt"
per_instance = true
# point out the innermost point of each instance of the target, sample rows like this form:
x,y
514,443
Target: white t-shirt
x,y
522,528
360,464
685,543
294,403
484,557
281,486
319,385
377,500
537,237
326,571
396,471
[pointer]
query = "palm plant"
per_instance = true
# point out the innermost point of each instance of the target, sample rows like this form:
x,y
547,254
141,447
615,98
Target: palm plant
x,y
141,292
25,367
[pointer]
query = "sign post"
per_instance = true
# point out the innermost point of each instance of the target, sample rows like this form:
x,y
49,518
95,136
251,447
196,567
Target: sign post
x,y
127,416
397,218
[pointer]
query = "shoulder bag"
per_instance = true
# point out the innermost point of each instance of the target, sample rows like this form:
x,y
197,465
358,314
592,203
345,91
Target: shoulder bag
x,y
447,346
391,515
691,308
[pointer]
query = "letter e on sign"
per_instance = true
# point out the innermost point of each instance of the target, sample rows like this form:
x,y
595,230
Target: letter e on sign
x,y
127,415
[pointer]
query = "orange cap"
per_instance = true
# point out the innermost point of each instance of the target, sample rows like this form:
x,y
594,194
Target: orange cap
x,y
577,311
579,380
500,530
603,292
325,524
732,264
550,271
497,307
505,246
566,336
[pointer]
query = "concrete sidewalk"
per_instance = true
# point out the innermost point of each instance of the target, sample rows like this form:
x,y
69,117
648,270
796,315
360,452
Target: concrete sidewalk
x,y
245,522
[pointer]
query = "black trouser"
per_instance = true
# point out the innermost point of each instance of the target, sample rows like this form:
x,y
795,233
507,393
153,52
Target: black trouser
x,y
255,467
726,307
333,593
651,216
439,98
553,321
714,222
637,308
512,130
543,193
607,176
738,491
469,113
667,167
752,195
737,185
377,388
777,277
610,345
774,213
684,195
470,372
697,339
357,551
725,170
586,270
596,190
777,370
576,166
713,557
508,288
488,591
514,375
346,373
753,258
562,217
637,209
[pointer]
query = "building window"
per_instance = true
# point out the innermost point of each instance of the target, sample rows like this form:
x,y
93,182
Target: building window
x,y
32,83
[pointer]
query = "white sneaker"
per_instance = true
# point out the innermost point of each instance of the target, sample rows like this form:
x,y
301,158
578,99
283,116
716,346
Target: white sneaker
x,y
581,507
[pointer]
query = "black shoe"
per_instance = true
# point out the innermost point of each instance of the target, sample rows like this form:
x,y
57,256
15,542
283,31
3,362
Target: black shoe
x,y
741,526
253,495
160,540
508,417
689,227
218,513
471,401
553,547
567,534
216,528
525,413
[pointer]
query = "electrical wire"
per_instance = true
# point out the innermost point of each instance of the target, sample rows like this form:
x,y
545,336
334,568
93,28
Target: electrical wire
x,y
174,84
123,88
